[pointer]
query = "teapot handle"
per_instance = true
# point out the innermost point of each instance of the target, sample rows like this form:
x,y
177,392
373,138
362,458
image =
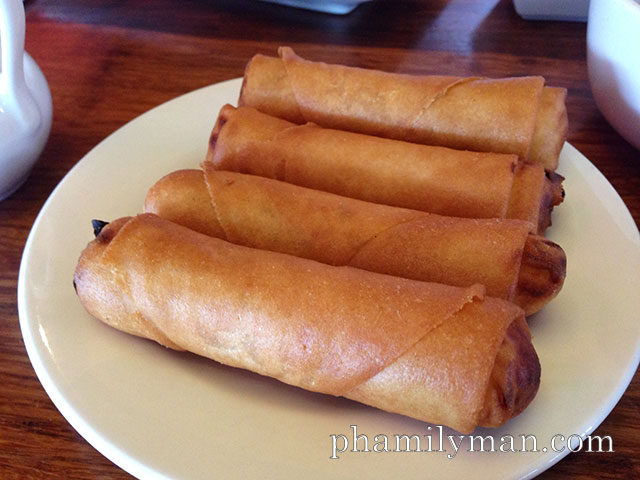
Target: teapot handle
x,y
14,93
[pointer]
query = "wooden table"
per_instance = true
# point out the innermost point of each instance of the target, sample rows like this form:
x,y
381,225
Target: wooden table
x,y
109,61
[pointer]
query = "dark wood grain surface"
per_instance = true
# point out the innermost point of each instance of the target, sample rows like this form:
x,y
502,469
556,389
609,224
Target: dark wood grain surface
x,y
108,61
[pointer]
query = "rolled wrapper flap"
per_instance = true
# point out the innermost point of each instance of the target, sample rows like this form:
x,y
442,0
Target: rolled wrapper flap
x,y
272,215
410,105
336,330
352,334
368,91
267,214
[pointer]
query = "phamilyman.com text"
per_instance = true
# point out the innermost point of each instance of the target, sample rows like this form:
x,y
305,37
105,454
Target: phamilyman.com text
x,y
435,440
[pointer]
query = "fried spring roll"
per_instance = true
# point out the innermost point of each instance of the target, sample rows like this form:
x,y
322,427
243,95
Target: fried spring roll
x,y
420,177
437,353
510,115
267,214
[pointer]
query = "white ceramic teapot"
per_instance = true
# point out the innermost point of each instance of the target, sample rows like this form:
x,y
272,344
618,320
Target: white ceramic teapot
x,y
25,102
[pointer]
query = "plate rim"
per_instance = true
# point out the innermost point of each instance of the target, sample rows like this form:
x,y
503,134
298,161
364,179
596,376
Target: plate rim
x,y
119,456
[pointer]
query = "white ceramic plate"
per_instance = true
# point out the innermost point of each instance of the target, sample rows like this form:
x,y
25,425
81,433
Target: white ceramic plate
x,y
162,414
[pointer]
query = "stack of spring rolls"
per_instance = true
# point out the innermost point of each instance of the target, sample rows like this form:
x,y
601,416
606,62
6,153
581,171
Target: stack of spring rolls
x,y
357,233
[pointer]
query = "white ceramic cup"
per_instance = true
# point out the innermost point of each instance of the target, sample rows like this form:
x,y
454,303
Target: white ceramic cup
x,y
25,102
613,58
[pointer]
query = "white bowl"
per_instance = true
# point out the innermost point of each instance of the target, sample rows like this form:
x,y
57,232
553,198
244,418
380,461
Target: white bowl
x,y
613,58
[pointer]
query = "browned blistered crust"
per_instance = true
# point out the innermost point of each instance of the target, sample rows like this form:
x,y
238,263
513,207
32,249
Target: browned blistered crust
x,y
515,374
542,274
